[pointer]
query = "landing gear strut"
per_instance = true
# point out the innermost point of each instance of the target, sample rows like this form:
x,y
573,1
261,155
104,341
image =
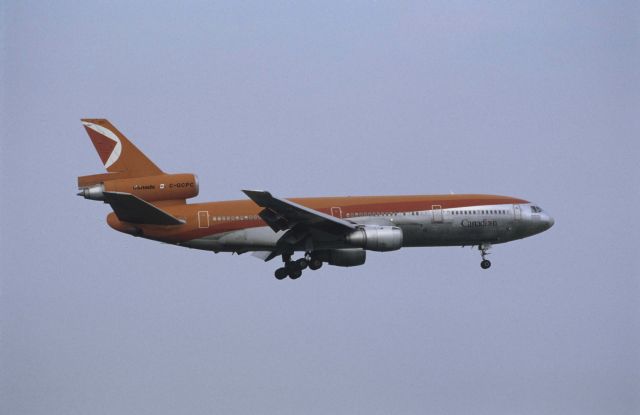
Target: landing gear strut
x,y
484,248
293,269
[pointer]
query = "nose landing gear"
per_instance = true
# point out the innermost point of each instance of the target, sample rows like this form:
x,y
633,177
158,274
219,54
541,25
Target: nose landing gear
x,y
484,248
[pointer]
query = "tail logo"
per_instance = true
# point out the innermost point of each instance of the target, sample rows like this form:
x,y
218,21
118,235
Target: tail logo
x,y
106,143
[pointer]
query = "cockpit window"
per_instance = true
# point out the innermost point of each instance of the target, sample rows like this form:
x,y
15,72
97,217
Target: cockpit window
x,y
535,209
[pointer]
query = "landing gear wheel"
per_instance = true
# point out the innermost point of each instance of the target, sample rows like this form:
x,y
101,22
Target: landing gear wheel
x,y
302,263
294,270
484,251
281,273
296,273
315,264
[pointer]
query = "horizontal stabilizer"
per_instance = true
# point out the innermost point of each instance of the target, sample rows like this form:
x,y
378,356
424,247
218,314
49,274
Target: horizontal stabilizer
x,y
130,208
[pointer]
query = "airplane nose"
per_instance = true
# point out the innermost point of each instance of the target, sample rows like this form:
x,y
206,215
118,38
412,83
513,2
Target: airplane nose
x,y
548,220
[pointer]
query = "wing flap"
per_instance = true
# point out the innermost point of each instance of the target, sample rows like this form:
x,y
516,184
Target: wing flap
x,y
130,208
274,220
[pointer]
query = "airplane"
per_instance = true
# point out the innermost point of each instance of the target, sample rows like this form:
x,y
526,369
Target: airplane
x,y
152,204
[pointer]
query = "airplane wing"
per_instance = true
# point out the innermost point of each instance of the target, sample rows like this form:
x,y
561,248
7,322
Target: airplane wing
x,y
130,208
299,221
281,214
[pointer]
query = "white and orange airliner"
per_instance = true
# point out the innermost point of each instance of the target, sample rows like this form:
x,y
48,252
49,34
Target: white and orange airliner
x,y
149,203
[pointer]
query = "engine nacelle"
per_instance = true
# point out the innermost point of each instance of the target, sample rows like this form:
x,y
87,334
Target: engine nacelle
x,y
150,188
377,238
349,257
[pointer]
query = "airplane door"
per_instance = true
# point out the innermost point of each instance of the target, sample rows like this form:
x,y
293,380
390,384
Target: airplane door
x,y
336,212
203,219
436,211
517,211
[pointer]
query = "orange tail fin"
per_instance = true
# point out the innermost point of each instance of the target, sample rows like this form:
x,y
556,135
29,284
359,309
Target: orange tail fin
x,y
117,153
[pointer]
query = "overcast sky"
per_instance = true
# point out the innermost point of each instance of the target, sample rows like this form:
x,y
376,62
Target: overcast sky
x,y
536,100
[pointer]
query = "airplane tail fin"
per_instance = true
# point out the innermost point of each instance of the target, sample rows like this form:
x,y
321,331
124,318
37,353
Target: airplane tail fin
x,y
117,153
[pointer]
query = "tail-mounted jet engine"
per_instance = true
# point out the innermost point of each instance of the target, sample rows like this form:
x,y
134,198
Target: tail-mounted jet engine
x,y
376,238
149,188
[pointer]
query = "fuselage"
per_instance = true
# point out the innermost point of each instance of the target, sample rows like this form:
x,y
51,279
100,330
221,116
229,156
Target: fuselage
x,y
429,220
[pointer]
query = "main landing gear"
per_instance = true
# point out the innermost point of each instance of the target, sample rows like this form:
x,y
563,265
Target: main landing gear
x,y
293,269
484,248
